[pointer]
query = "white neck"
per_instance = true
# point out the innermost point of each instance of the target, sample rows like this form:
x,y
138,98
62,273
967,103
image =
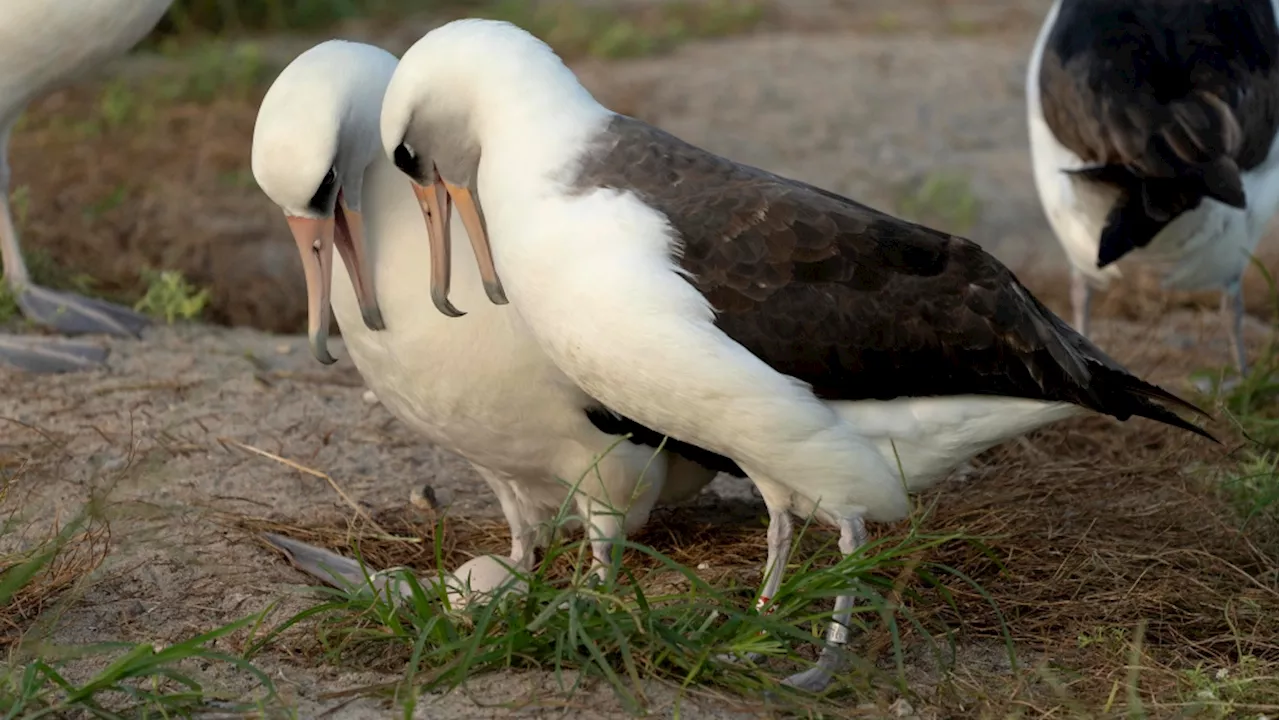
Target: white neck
x,y
536,136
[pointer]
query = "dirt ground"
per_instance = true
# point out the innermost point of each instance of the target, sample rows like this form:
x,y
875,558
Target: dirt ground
x,y
867,100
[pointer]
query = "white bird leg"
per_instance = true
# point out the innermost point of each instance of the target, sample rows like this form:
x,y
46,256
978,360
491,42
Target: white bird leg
x,y
1081,299
780,534
606,526
1233,309
67,313
853,535
528,532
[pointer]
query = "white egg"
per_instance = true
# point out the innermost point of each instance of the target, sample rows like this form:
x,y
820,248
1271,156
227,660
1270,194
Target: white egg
x,y
478,577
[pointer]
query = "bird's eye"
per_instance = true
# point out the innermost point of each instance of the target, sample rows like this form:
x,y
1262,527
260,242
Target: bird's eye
x,y
322,201
407,160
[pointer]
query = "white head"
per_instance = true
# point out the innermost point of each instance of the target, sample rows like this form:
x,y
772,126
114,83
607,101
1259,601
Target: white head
x,y
455,82
316,134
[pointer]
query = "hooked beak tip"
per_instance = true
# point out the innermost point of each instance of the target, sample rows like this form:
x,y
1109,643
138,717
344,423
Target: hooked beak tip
x,y
373,318
320,349
496,294
441,301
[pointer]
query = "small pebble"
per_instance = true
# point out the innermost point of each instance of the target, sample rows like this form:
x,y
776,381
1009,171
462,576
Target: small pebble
x,y
424,499
370,398
704,566
283,349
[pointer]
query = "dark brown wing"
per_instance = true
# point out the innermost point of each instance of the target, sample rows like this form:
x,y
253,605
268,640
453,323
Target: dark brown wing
x,y
850,300
1169,100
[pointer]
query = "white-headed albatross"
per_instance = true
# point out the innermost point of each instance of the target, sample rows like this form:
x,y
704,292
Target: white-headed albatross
x,y
1153,137
797,333
44,44
478,386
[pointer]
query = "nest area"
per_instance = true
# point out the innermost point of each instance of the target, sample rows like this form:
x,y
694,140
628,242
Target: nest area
x,y
1119,530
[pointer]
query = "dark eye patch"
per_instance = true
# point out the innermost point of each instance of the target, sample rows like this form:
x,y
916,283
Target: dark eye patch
x,y
407,161
322,201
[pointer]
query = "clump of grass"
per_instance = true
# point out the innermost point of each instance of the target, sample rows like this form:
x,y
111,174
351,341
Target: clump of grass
x,y
942,200
171,297
32,578
1252,404
138,680
652,619
1228,692
9,310
135,680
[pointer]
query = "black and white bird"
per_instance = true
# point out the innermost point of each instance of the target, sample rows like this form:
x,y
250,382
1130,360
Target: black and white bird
x,y
478,386
818,345
1153,137
43,45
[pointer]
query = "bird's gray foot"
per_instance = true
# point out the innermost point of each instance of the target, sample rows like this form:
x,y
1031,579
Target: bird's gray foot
x,y
817,678
72,314
735,659
853,535
42,354
343,572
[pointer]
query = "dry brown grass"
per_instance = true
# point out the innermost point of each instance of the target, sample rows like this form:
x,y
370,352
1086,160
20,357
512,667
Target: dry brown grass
x,y
40,561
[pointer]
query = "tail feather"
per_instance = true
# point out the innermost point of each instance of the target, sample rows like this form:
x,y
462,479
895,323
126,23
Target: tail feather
x,y
1133,396
1107,386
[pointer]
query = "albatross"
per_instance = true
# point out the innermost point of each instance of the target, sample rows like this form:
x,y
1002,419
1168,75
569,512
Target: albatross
x,y
478,386
811,341
44,44
1153,137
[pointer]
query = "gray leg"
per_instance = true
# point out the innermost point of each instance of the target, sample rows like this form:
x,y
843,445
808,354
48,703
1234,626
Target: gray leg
x,y
345,573
853,535
781,531
606,527
1081,298
1233,309
67,313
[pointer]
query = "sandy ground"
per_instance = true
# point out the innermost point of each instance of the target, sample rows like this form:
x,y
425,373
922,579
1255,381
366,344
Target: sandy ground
x,y
843,99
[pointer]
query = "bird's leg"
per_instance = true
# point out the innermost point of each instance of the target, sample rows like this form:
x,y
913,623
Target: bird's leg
x,y
781,531
527,526
853,535
780,534
606,526
1081,298
1233,309
64,312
